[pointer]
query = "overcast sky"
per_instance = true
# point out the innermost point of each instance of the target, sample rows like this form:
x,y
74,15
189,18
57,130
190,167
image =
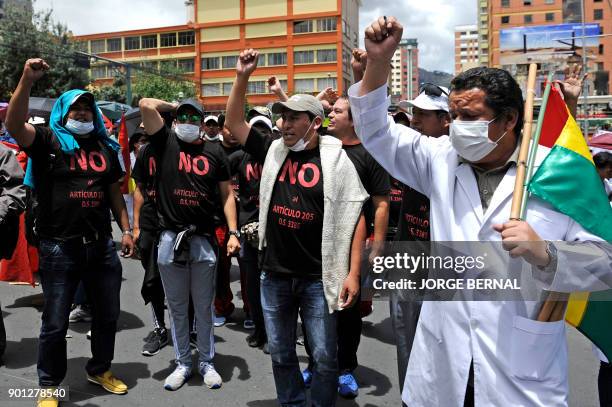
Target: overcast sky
x,y
432,22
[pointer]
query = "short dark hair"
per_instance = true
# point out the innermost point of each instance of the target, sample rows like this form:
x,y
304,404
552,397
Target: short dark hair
x,y
602,160
503,93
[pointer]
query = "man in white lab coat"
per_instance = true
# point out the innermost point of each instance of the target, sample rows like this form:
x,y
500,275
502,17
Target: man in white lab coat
x,y
469,178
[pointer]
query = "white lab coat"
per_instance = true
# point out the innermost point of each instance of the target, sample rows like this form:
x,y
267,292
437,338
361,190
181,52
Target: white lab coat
x,y
517,361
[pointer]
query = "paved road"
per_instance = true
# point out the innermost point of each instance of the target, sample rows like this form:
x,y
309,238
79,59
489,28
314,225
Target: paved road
x,y
246,372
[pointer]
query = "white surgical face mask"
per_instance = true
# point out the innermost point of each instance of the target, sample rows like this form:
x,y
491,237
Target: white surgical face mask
x,y
79,128
608,185
471,138
300,145
187,132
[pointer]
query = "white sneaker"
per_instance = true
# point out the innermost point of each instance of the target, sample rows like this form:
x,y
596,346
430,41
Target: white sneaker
x,y
177,378
211,377
80,313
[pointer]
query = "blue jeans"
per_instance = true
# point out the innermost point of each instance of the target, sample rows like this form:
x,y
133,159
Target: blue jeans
x,y
62,266
282,298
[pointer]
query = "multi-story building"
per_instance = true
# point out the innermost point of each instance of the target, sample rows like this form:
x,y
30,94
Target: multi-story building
x,y
405,72
543,19
483,32
466,47
306,44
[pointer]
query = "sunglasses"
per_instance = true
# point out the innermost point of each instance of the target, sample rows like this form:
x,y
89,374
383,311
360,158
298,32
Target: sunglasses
x,y
193,118
432,90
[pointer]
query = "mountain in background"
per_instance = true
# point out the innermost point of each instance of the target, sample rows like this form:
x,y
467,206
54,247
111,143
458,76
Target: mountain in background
x,y
436,77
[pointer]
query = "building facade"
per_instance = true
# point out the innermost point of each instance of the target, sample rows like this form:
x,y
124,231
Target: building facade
x,y
549,15
306,44
405,73
483,32
466,47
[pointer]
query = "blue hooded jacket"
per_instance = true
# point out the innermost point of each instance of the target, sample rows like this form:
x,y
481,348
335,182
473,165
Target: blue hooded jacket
x,y
67,141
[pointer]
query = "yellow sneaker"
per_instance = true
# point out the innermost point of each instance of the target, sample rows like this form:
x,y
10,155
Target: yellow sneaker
x,y
109,382
47,402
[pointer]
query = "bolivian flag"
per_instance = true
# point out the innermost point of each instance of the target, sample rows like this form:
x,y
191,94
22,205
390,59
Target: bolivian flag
x,y
568,180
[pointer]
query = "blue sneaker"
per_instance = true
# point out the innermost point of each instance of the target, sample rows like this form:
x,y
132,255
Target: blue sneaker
x,y
347,386
307,376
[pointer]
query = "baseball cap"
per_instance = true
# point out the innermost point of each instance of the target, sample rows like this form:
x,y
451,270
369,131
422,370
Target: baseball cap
x,y
259,111
211,118
300,103
261,119
191,103
432,97
85,95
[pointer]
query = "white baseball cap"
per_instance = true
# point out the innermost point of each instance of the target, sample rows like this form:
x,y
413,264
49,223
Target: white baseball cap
x,y
211,117
261,119
428,101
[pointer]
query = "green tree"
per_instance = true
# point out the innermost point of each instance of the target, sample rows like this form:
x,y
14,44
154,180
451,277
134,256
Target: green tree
x,y
25,35
168,84
112,93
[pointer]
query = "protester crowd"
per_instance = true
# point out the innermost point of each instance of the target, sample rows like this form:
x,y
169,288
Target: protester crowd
x,y
294,191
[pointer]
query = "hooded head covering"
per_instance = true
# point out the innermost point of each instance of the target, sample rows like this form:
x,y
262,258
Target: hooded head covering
x,y
58,117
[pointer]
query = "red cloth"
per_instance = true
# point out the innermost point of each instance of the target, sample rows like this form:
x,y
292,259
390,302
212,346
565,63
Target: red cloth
x,y
124,141
24,263
223,296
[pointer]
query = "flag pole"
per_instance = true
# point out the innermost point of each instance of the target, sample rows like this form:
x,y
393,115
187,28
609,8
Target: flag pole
x,y
521,168
536,142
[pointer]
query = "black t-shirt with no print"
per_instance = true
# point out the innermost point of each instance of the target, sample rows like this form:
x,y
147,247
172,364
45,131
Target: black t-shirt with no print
x,y
72,189
144,174
295,218
374,178
188,177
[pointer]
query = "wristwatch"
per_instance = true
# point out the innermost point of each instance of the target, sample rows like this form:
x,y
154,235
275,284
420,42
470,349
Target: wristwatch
x,y
551,250
235,233
128,232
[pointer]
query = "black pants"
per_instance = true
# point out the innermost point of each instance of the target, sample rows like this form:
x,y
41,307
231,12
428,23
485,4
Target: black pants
x,y
249,263
349,326
62,266
2,337
152,288
604,383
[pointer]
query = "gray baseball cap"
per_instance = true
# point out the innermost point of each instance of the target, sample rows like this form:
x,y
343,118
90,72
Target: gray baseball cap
x,y
300,103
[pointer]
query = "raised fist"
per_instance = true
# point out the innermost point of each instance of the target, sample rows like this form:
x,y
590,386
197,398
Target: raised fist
x,y
34,69
382,38
247,62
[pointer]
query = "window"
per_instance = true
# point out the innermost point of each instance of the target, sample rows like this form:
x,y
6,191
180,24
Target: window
x,y
98,46
210,63
505,19
149,65
327,24
149,41
526,2
186,38
598,14
303,57
302,27
277,58
227,88
113,44
326,83
211,89
256,87
167,39
326,55
304,85
98,72
229,62
132,43
550,16
186,65
168,65
283,83
528,18
600,66
505,3
262,60
549,1
601,49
